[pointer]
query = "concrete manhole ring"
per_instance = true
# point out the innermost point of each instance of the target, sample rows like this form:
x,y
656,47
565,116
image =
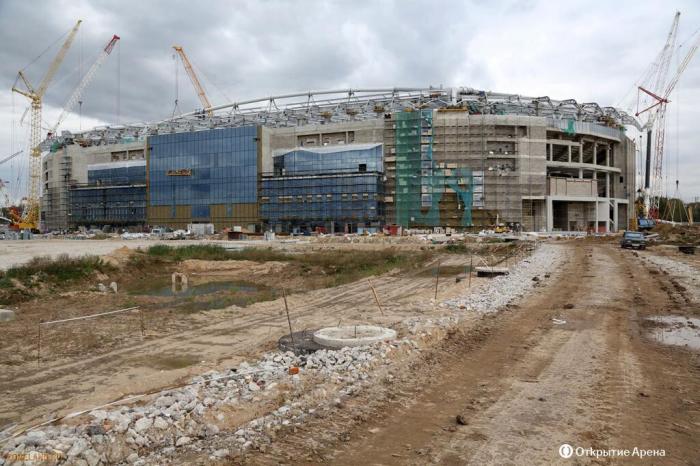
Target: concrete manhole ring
x,y
352,335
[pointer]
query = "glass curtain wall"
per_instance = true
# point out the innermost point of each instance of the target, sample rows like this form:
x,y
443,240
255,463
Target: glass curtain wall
x,y
204,172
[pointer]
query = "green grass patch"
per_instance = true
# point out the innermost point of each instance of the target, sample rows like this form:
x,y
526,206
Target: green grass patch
x,y
340,266
62,269
20,282
212,252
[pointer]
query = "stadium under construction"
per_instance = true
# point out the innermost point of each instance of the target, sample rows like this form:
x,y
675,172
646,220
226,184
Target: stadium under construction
x,y
352,160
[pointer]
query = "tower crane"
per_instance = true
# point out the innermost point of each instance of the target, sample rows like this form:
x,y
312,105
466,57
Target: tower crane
x,y
652,85
30,216
653,180
75,97
194,79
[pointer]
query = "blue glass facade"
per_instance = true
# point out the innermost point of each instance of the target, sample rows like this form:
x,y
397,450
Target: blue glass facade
x,y
113,205
115,195
117,173
204,176
334,188
334,159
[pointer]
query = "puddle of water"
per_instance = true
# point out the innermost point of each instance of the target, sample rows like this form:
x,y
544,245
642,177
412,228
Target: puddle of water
x,y
168,290
677,331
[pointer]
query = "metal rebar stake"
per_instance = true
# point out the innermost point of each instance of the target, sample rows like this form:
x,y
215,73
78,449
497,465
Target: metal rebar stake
x,y
471,266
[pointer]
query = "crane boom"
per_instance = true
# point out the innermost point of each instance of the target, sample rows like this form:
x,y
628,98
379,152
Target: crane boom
x,y
75,97
10,157
30,216
58,59
194,79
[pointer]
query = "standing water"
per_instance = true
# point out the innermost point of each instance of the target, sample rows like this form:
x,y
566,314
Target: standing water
x,y
677,331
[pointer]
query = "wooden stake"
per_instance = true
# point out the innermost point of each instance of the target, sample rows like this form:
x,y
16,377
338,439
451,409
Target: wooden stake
x,y
437,279
38,350
143,324
376,299
286,309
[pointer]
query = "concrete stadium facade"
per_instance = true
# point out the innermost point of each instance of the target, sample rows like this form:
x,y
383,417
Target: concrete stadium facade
x,y
442,163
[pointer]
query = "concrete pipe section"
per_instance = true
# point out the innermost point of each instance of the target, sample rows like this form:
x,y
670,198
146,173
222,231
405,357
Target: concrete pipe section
x,y
352,335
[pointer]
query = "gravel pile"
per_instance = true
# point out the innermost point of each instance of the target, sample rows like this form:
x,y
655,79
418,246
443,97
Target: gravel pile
x,y
504,289
186,417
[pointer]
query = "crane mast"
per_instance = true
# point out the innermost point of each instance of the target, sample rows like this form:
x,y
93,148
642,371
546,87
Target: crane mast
x,y
194,79
30,216
657,122
75,97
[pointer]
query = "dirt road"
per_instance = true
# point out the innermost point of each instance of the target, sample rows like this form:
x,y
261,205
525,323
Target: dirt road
x,y
524,384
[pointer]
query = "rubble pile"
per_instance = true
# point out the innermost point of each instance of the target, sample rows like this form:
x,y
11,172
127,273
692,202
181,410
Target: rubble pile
x,y
503,289
185,417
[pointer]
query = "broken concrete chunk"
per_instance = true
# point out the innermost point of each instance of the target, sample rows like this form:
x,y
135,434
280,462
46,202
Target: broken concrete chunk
x,y
143,424
182,441
6,315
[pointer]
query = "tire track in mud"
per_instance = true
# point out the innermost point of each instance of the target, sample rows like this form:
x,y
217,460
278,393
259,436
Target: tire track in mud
x,y
525,385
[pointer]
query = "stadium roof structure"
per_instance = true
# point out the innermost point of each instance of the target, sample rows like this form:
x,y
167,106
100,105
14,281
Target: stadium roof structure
x,y
334,106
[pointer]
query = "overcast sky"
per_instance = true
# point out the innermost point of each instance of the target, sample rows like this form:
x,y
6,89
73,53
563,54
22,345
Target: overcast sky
x,y
585,50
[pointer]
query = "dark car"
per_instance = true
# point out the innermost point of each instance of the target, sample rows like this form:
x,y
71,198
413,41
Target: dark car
x,y
633,239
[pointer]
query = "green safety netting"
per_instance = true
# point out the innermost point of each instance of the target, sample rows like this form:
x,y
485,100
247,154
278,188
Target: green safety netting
x,y
420,183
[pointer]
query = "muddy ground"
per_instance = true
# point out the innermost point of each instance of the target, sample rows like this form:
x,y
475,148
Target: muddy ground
x,y
574,362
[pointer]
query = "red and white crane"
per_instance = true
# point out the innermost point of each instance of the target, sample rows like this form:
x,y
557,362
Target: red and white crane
x,y
655,94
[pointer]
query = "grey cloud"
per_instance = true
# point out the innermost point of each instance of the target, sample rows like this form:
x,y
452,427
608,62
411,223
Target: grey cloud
x,y
590,51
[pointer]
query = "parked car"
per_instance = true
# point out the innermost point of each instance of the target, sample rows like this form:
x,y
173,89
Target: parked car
x,y
633,239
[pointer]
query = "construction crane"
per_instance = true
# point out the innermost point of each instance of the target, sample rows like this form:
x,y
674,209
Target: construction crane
x,y
10,157
195,80
653,180
652,84
75,97
30,216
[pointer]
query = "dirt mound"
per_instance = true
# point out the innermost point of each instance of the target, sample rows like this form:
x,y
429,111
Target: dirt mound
x,y
232,268
119,257
678,234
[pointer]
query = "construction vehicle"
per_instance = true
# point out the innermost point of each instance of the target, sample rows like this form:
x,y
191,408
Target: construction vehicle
x,y
30,216
75,97
195,80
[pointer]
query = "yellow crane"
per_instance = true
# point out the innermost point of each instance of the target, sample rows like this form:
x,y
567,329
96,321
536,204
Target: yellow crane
x,y
30,216
195,80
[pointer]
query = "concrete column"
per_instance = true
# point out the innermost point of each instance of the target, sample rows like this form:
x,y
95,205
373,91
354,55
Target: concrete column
x,y
595,153
569,154
550,213
616,220
595,224
580,173
607,156
580,153
607,184
595,178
